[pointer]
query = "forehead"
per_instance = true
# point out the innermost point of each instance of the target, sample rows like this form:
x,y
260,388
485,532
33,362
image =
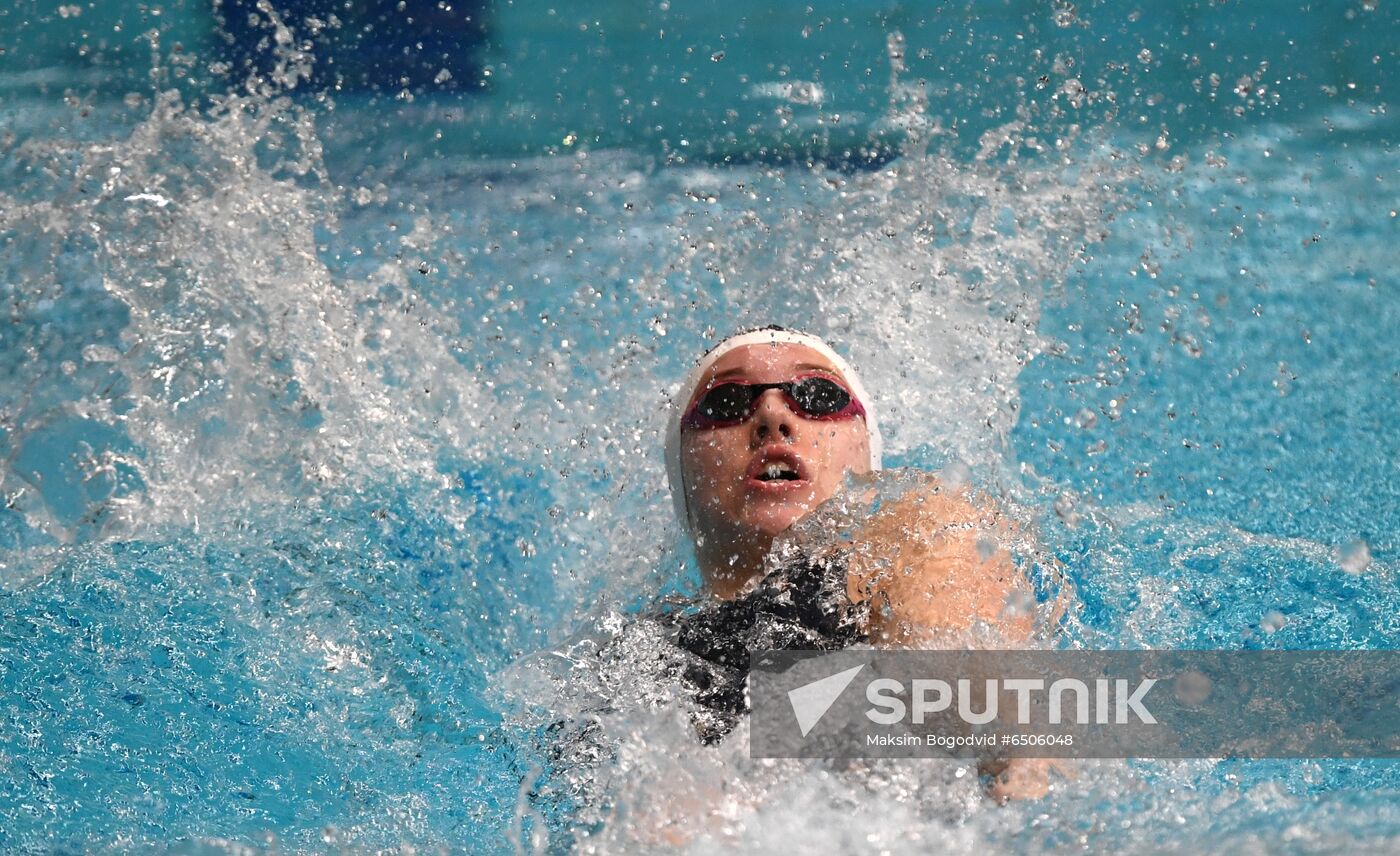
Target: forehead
x,y
767,363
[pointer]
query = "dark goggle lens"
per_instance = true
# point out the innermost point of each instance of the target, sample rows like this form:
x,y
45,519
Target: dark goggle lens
x,y
729,402
733,402
819,396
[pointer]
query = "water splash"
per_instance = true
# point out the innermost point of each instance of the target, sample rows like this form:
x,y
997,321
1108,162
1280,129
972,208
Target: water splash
x,y
308,445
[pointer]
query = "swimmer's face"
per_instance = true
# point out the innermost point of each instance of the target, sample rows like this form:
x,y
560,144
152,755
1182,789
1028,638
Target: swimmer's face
x,y
728,468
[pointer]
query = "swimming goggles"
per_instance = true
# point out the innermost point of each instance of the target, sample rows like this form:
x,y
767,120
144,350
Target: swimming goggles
x,y
732,402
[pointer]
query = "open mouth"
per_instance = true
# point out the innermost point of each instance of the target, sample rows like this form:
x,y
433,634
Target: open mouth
x,y
776,468
778,471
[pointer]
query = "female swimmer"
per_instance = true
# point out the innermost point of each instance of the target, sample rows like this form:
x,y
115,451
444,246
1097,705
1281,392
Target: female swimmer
x,y
768,425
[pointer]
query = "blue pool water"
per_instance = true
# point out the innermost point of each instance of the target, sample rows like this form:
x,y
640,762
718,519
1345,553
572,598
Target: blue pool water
x,y
327,403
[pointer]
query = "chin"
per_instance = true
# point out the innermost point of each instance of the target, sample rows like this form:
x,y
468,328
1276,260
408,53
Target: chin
x,y
774,521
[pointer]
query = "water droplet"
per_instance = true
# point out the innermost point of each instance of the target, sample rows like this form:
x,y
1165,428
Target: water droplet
x,y
100,354
1192,688
1066,511
956,474
1017,602
1074,91
1355,557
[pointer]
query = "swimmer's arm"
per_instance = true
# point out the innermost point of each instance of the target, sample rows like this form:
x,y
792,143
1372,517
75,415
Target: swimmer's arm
x,y
1023,778
935,563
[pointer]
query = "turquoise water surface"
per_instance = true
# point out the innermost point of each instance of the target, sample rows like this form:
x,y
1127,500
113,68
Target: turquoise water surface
x,y
336,348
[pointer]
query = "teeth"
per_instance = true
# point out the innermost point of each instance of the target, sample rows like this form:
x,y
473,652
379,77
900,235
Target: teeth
x,y
778,470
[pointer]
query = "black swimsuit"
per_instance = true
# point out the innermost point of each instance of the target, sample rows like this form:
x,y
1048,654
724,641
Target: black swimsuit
x,y
802,605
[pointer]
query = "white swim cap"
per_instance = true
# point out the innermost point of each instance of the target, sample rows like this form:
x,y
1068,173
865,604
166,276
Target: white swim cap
x,y
765,335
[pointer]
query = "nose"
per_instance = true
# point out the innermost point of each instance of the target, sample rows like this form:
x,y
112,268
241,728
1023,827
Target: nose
x,y
773,419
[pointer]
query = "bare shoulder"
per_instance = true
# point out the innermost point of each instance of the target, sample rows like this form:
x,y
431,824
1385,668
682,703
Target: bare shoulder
x,y
937,558
932,507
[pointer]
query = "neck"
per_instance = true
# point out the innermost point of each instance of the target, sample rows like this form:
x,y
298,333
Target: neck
x,y
729,564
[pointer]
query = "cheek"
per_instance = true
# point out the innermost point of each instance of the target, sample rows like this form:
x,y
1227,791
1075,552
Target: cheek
x,y
846,449
709,461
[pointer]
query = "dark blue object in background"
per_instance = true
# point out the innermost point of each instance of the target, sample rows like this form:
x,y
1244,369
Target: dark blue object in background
x,y
364,45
